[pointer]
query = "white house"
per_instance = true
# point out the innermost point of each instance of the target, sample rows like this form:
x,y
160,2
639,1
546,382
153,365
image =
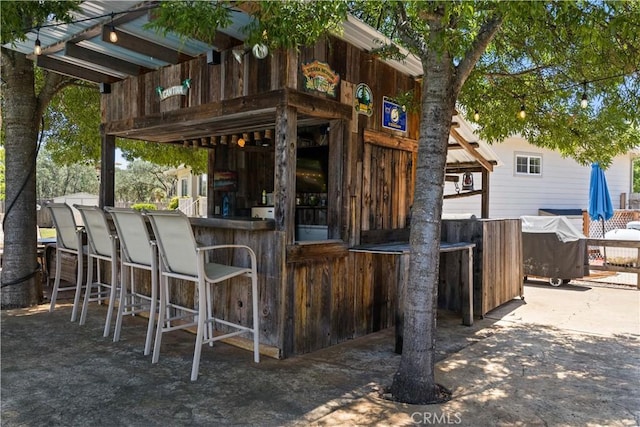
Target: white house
x,y
529,179
191,190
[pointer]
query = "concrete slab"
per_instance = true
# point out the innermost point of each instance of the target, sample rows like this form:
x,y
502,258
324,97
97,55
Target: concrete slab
x,y
537,363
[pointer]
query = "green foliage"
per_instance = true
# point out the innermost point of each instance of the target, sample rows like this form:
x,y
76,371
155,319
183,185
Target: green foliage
x,y
278,24
72,121
636,175
540,57
18,16
54,179
143,182
173,204
144,206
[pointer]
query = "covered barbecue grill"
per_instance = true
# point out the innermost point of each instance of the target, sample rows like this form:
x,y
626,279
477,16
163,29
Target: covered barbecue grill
x,y
552,247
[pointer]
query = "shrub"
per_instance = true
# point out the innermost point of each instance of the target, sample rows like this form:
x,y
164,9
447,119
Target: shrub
x,y
173,204
146,206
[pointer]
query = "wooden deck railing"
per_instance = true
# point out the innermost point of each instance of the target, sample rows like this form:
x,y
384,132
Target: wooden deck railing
x,y
612,264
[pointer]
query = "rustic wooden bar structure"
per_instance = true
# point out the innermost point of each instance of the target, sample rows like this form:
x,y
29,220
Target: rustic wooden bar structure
x,y
330,105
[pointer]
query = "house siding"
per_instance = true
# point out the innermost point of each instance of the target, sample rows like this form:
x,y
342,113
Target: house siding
x,y
563,184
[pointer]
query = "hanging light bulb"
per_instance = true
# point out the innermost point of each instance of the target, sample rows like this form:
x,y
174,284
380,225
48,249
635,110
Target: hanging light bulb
x,y
113,37
37,47
522,114
476,116
584,102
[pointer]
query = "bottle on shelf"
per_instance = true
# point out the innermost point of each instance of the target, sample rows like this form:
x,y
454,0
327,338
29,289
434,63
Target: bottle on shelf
x,y
225,205
263,200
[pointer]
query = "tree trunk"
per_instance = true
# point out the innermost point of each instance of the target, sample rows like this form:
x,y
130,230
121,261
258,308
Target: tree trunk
x,y
415,380
21,278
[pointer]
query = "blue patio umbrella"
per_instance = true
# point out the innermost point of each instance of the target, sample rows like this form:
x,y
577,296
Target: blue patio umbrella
x,y
600,206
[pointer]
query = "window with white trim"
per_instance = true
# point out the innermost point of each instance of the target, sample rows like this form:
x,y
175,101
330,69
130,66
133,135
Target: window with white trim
x,y
184,187
528,164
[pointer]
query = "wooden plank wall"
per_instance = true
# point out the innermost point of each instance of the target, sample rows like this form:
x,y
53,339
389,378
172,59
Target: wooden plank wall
x,y
319,313
497,263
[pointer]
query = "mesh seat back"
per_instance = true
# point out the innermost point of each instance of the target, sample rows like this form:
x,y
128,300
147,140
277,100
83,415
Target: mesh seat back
x,y
65,224
98,231
133,234
176,241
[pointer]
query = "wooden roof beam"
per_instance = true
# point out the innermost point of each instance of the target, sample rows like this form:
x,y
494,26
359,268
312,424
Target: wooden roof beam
x,y
467,146
72,70
145,47
94,57
460,147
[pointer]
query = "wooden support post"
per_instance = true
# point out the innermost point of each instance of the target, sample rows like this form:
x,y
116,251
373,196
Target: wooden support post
x,y
466,278
107,170
285,171
585,223
484,209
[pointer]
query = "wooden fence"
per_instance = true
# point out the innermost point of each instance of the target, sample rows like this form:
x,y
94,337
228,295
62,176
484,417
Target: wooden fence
x,y
624,264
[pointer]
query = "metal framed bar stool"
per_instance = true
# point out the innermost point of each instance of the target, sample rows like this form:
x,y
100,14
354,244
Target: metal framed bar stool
x,y
68,240
102,247
183,259
137,250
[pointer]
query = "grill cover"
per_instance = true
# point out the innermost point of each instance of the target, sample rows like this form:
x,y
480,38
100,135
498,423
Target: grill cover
x,y
553,247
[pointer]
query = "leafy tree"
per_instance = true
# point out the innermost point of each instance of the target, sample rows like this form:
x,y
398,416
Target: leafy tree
x,y
143,182
55,180
23,107
497,57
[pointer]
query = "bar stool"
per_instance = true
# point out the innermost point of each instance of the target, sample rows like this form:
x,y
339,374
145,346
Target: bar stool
x,y
102,247
68,240
137,250
183,259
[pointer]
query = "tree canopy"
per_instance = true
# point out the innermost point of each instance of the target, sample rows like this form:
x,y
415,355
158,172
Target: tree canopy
x,y
545,57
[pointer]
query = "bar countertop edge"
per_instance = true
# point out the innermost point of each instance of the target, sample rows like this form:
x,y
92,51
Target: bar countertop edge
x,y
249,224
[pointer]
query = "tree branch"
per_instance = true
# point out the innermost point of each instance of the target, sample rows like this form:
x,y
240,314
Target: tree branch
x,y
53,83
408,34
487,32
518,73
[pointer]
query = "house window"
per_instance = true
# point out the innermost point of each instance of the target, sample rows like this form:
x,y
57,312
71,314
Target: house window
x,y
527,164
184,188
202,185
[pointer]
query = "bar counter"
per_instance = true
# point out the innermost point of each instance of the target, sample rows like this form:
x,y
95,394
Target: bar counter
x,y
235,223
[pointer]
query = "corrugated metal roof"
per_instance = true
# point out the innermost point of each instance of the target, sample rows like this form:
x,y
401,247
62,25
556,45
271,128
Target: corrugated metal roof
x,y
95,14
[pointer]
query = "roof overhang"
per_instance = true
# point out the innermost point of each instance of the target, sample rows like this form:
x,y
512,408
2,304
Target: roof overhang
x,y
82,49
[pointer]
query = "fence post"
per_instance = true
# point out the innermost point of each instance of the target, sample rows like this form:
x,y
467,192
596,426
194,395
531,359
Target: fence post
x,y
585,223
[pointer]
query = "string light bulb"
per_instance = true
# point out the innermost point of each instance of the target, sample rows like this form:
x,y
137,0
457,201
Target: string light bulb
x,y
522,114
113,36
37,47
476,116
584,102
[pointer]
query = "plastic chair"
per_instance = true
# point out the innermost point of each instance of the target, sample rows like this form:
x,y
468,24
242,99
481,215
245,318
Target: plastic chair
x,y
68,240
183,259
137,250
102,246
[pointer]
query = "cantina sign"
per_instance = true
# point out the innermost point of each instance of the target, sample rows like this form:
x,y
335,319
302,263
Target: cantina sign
x,y
319,77
174,90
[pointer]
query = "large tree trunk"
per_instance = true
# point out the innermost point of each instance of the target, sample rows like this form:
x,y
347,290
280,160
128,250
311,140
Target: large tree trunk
x,y
415,380
21,279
